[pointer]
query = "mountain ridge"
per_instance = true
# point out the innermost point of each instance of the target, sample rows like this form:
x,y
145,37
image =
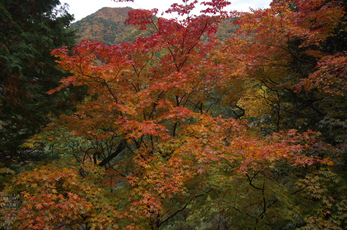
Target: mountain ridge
x,y
107,25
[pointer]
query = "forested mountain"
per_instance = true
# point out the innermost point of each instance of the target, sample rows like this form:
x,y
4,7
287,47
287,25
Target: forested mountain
x,y
226,29
107,25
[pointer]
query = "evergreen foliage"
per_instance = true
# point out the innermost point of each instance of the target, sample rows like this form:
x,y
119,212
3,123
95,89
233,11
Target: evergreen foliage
x,y
29,31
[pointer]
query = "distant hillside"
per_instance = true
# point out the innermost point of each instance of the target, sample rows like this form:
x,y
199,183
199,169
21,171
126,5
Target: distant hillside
x,y
226,29
107,26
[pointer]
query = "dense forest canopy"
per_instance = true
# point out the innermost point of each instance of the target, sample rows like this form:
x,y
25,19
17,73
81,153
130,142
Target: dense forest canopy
x,y
29,31
187,127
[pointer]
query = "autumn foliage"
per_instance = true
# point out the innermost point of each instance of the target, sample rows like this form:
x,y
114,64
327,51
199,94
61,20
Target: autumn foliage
x,y
153,147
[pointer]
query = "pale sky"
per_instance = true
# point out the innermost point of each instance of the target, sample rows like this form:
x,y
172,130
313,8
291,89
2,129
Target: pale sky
x,y
83,8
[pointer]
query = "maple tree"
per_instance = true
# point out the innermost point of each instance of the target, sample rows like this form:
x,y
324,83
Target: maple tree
x,y
151,151
295,53
285,48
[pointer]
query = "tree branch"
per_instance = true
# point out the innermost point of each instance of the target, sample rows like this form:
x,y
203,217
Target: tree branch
x,y
122,145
